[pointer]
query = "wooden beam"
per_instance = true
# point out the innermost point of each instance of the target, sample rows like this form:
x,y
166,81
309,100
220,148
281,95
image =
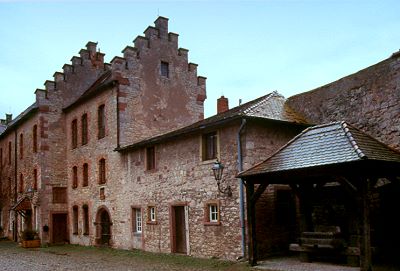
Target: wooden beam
x,y
365,251
251,221
261,188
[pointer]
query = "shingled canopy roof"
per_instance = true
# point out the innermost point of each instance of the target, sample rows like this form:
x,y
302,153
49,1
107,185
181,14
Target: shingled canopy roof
x,y
271,106
326,145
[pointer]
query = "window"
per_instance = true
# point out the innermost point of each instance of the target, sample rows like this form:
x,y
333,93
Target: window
x,y
211,215
59,195
85,175
84,131
9,152
150,158
34,138
21,146
35,179
21,183
137,220
102,171
151,214
74,134
165,69
101,122
102,193
209,146
74,177
75,213
85,209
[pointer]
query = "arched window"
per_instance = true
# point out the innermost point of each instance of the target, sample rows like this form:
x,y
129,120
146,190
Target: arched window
x,y
75,214
85,209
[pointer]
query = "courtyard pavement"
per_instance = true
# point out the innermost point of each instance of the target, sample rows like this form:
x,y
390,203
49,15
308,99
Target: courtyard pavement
x,y
72,257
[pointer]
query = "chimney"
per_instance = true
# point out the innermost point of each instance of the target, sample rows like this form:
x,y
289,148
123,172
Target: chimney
x,y
8,118
222,105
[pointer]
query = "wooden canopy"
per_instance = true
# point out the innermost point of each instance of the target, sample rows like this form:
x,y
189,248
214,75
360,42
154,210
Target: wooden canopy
x,y
332,152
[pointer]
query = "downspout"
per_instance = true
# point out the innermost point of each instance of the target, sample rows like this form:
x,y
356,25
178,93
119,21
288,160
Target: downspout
x,y
241,188
15,185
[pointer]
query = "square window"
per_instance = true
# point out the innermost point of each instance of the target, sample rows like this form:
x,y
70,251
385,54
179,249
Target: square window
x,y
59,195
212,213
165,69
209,146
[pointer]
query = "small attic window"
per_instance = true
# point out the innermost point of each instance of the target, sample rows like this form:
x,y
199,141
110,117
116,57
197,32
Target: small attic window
x,y
165,69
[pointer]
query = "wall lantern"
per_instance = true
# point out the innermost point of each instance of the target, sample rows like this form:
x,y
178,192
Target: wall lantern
x,y
30,192
218,169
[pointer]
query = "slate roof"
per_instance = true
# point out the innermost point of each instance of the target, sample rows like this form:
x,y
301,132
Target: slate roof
x,y
271,106
100,84
26,113
322,145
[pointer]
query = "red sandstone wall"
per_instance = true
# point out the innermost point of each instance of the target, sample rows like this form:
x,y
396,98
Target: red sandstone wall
x,y
368,99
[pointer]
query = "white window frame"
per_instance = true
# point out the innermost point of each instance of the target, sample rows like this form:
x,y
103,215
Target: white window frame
x,y
138,219
152,213
213,212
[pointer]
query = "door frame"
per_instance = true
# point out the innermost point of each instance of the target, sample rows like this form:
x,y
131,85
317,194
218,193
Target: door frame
x,y
97,223
172,226
52,213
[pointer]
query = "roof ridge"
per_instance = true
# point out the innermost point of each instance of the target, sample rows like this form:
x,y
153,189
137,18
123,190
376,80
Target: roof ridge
x,y
351,139
260,101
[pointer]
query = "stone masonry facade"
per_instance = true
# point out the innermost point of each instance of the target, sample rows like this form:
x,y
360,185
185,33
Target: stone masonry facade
x,y
119,154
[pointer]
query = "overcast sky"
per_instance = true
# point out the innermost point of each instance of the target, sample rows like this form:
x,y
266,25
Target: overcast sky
x,y
245,48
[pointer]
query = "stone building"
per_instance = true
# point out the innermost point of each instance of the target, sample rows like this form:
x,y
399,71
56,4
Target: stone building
x,y
120,154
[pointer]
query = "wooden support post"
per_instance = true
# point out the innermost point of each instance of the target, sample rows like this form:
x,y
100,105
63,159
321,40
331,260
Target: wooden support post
x,y
365,249
251,221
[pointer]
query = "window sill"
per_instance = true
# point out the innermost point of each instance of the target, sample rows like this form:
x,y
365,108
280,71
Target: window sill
x,y
208,162
138,234
149,171
207,223
151,222
86,234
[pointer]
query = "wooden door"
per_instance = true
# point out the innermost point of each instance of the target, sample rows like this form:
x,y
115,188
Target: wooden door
x,y
59,231
179,227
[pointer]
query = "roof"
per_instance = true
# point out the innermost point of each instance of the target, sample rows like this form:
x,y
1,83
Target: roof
x,y
269,107
21,117
101,83
322,145
22,204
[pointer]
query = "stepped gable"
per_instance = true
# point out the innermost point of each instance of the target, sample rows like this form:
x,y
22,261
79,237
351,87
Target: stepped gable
x,y
76,78
270,106
322,145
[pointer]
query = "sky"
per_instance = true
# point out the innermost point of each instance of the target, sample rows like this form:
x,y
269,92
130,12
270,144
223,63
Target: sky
x,y
246,49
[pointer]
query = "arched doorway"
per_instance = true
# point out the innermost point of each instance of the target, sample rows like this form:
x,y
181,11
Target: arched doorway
x,y
103,227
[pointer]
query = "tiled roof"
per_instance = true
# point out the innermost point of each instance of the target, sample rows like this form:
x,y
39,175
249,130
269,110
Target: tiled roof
x,y
271,106
322,145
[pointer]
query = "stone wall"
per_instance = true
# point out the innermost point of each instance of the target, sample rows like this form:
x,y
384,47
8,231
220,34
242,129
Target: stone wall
x,y
368,99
